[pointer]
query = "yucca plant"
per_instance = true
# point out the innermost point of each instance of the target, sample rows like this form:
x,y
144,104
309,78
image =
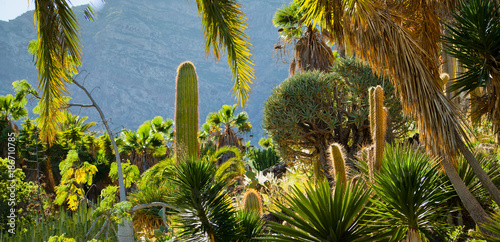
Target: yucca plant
x,y
494,228
320,214
409,194
205,210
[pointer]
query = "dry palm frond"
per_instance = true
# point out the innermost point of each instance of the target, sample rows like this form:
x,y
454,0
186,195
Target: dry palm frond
x,y
292,67
388,46
228,138
312,52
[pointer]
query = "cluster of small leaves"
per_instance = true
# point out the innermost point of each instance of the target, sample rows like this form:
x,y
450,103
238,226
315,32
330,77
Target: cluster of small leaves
x,y
74,175
24,191
130,173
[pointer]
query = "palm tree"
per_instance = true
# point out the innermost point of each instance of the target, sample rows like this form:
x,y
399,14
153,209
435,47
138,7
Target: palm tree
x,y
223,122
58,50
73,128
142,146
310,51
401,39
474,40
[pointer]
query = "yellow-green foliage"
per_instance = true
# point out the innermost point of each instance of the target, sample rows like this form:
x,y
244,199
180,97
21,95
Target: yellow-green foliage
x,y
130,173
252,201
186,111
380,127
61,238
74,174
338,163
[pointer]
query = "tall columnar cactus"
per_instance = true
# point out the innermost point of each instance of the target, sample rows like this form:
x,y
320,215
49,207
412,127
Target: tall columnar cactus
x,y
380,127
371,101
186,111
252,201
339,163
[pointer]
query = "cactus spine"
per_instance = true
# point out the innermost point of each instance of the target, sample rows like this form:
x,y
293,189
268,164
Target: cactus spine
x,y
186,111
380,126
338,163
252,201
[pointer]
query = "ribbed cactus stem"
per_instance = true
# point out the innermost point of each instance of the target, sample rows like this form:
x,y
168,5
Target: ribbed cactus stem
x,y
186,111
252,201
371,115
339,163
380,127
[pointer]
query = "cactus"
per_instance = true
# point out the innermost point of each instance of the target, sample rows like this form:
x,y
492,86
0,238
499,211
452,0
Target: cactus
x,y
378,135
252,201
186,111
338,163
371,102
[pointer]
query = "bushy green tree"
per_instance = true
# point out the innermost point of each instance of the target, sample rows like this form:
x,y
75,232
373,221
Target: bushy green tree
x,y
13,184
307,112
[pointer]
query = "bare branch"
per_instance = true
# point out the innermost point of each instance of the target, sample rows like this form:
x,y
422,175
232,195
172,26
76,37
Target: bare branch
x,y
80,105
148,205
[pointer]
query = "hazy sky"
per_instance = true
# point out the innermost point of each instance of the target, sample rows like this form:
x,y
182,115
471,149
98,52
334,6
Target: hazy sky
x,y
10,9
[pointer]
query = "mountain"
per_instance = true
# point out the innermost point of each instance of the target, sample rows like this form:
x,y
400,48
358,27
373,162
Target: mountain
x,y
131,53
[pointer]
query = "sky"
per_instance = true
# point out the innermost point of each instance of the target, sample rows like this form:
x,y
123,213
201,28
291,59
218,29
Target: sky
x,y
10,9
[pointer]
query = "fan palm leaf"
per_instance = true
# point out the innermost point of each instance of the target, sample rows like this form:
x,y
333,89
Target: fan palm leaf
x,y
224,25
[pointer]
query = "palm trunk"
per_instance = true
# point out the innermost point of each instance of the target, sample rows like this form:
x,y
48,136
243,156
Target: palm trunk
x,y
480,173
50,188
412,236
471,204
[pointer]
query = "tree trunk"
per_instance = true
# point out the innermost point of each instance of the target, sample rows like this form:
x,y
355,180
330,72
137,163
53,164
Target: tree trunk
x,y
51,184
469,201
480,173
412,236
125,229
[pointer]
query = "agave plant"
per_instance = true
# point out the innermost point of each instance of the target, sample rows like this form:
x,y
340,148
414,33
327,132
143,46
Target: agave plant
x,y
409,194
319,214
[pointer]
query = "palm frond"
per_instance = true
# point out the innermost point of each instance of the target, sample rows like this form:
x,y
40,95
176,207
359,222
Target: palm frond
x,y
389,47
224,25
57,56
475,41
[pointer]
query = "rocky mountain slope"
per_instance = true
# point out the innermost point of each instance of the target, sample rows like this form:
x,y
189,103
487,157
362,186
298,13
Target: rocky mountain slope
x,y
131,53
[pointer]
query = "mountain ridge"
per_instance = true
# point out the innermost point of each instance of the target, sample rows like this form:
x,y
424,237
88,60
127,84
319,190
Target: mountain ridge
x,y
130,57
